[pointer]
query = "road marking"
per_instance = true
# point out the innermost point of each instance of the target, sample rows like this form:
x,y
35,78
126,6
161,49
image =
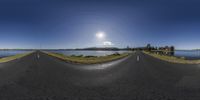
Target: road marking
x,y
138,58
38,56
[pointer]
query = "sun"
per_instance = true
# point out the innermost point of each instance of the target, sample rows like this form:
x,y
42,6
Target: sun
x,y
100,35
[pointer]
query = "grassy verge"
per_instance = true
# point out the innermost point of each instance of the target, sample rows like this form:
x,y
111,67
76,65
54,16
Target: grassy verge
x,y
173,59
10,58
88,59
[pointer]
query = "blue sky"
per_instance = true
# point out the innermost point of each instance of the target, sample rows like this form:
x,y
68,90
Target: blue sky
x,y
75,23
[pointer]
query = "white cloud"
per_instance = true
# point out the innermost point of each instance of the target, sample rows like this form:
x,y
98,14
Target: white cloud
x,y
107,43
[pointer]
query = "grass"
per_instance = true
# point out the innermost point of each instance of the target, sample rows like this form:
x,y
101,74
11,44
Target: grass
x,y
173,59
10,58
88,59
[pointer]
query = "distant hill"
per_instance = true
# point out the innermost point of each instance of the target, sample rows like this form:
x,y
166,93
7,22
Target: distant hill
x,y
17,49
89,48
99,48
196,49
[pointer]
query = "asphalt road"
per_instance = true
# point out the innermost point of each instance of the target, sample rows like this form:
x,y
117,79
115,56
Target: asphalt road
x,y
138,77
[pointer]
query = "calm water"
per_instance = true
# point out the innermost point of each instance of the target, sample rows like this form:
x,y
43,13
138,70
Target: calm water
x,y
188,54
5,53
87,52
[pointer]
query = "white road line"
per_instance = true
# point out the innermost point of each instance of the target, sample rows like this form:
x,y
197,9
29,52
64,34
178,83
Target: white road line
x,y
138,58
38,56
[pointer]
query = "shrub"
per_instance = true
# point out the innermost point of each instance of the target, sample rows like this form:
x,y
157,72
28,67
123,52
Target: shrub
x,y
116,54
90,56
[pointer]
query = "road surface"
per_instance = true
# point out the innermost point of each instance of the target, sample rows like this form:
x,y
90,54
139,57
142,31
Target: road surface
x,y
47,78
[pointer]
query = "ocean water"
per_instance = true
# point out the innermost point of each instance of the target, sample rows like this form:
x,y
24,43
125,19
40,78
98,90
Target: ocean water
x,y
188,54
5,53
87,52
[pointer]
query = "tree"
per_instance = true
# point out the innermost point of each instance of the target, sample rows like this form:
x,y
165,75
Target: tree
x,y
149,47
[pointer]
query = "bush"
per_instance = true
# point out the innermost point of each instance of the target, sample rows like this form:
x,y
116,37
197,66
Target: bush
x,y
182,57
116,54
79,56
90,56
76,55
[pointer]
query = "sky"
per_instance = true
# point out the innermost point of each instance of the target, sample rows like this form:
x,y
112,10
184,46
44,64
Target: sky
x,y
33,24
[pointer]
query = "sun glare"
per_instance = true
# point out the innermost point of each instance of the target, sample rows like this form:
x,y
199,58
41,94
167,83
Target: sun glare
x,y
100,35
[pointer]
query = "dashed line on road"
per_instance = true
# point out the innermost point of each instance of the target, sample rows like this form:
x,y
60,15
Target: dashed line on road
x,y
38,56
138,58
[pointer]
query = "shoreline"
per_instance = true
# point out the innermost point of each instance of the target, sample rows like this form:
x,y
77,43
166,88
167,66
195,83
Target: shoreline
x,y
87,60
13,57
172,59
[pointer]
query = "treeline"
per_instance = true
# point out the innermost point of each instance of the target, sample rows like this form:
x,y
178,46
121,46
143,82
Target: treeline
x,y
166,50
